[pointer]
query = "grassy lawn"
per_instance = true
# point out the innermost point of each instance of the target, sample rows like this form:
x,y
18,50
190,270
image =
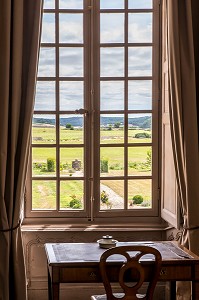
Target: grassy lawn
x,y
139,163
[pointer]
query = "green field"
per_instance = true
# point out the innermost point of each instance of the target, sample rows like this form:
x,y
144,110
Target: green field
x,y
112,159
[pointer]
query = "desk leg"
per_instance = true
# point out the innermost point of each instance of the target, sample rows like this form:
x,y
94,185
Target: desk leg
x,y
53,289
49,286
173,290
195,290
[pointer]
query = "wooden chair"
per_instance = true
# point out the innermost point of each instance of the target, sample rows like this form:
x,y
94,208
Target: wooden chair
x,y
132,268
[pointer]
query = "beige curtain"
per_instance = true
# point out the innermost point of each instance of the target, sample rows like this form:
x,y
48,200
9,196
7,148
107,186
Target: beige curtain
x,y
183,120
183,113
19,44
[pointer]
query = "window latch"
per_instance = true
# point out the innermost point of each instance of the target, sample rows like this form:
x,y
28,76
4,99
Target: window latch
x,y
81,111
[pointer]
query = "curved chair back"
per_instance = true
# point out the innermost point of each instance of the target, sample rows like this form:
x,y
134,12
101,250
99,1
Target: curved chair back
x,y
132,271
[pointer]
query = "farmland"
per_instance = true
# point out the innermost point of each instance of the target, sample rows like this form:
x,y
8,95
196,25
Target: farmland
x,y
44,165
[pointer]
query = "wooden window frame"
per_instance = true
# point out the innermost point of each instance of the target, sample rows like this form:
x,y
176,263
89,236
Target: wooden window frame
x,y
91,212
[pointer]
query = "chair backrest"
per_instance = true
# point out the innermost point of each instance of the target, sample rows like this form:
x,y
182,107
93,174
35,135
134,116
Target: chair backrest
x,y
132,272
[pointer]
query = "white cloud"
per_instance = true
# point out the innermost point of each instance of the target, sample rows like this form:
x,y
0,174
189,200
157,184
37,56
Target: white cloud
x,y
71,28
45,95
140,28
109,57
71,4
112,95
71,95
140,4
47,62
112,28
48,28
139,94
71,62
140,61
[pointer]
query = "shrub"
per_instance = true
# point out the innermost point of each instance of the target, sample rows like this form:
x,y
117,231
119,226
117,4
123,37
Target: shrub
x,y
116,166
133,165
142,135
146,203
40,166
50,164
104,166
117,125
137,199
104,197
149,159
75,203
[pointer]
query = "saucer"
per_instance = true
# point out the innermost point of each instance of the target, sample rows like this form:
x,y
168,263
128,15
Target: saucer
x,y
103,244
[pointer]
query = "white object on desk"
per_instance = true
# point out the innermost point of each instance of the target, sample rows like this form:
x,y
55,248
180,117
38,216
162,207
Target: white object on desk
x,y
107,241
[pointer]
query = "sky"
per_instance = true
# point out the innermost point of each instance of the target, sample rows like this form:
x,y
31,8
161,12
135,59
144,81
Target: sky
x,y
112,58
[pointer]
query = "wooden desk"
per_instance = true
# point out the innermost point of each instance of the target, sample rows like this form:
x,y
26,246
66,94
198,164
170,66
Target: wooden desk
x,y
79,263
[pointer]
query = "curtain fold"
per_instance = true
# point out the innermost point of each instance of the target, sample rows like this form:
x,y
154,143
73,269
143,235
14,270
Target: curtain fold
x,y
20,22
183,116
184,121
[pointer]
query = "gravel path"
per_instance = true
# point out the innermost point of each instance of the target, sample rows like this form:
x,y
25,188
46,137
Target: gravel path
x,y
118,201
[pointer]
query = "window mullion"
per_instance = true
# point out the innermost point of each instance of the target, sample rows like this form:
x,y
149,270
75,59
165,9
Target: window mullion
x,y
126,107
57,104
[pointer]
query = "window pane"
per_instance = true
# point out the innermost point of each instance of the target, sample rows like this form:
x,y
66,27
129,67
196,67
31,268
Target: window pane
x,y
71,62
111,194
112,161
45,95
111,129
111,4
70,4
43,162
71,28
140,61
140,28
112,95
112,28
139,161
49,4
43,129
71,195
72,162
43,195
140,94
140,190
46,62
112,62
139,128
140,4
48,28
71,129
71,95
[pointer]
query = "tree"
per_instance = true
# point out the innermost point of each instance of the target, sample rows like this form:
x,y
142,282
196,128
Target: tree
x,y
68,126
117,125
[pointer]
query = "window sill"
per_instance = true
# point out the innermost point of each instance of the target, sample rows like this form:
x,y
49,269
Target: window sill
x,y
95,228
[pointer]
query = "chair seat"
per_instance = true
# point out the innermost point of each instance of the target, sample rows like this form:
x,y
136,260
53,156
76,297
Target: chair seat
x,y
103,297
117,295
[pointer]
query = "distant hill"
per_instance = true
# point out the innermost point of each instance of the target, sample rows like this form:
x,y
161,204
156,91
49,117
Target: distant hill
x,y
141,122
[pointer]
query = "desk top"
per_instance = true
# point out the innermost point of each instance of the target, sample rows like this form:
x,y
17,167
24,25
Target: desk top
x,y
89,253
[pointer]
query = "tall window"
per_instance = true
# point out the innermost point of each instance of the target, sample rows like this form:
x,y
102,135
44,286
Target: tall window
x,y
95,123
